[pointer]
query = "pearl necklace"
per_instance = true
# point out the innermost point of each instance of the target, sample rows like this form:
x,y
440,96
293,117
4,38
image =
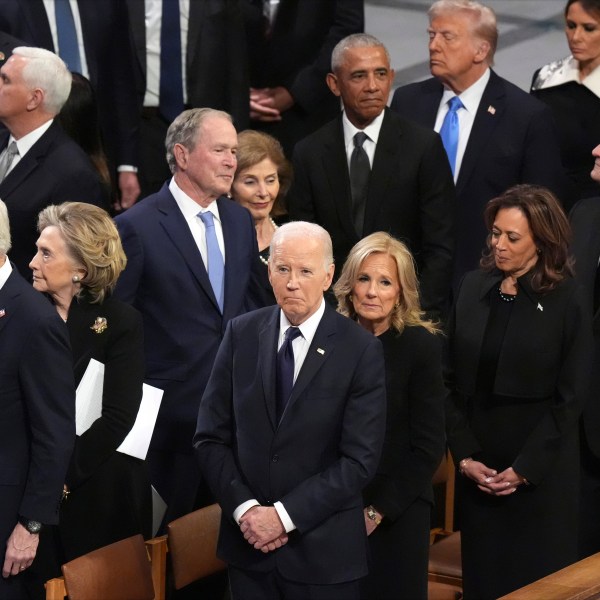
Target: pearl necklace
x,y
263,260
506,297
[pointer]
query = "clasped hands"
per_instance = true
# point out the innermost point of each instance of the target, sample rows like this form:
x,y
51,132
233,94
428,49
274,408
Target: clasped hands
x,y
263,529
490,481
267,104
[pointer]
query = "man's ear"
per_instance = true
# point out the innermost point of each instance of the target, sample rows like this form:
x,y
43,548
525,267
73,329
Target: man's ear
x,y
36,99
331,80
482,51
180,154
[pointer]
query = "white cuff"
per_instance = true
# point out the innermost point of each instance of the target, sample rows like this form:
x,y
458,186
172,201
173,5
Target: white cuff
x,y
288,524
242,508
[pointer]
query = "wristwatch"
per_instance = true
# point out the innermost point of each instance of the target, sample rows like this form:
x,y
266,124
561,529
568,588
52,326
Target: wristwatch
x,y
372,514
31,525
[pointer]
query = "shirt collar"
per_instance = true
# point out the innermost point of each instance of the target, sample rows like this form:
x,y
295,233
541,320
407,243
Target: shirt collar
x,y
5,271
308,328
188,207
471,97
563,71
372,129
27,141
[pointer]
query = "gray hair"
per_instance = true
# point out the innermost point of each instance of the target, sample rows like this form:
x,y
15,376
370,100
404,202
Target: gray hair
x,y
356,40
4,230
301,230
484,18
45,70
186,128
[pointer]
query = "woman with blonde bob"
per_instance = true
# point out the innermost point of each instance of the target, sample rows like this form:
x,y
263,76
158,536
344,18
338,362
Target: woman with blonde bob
x,y
107,493
378,288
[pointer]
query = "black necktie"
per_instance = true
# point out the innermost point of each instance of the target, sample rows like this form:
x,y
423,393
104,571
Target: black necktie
x,y
171,81
285,370
360,171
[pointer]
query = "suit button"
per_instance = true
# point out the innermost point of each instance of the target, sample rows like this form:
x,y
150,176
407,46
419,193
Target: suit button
x,y
275,457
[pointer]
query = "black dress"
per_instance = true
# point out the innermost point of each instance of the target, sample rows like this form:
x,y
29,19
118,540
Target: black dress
x,y
413,447
576,110
520,369
110,495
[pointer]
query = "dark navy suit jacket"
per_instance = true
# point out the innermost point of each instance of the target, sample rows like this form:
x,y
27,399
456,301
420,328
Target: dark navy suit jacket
x,y
316,460
165,279
513,140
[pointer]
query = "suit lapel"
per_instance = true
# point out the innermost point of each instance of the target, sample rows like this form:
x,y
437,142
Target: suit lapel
x,y
489,114
9,299
267,350
335,167
175,226
320,350
388,145
36,18
137,18
429,103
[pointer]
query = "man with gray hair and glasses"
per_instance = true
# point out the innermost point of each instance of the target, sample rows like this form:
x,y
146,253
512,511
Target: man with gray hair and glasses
x,y
39,163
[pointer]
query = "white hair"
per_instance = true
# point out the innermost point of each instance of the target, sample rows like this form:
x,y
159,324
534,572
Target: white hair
x,y
4,230
45,70
301,230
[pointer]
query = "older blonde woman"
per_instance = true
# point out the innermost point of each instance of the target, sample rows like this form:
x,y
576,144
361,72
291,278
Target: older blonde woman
x,y
378,288
79,258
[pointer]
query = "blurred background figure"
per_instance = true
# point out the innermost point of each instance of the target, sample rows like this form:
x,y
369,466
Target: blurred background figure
x,y
289,45
585,221
571,88
188,54
520,352
78,262
262,179
93,38
40,163
378,288
79,118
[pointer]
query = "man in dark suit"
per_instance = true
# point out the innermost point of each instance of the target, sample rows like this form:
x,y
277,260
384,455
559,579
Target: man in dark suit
x,y
215,71
168,279
288,438
504,136
105,58
37,417
409,190
289,52
48,167
585,246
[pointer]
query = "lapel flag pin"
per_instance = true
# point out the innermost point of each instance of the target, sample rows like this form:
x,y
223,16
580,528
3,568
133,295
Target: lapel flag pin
x,y
320,351
540,307
491,110
2,312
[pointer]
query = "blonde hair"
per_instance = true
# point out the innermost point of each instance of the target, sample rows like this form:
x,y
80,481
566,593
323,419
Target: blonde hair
x,y
93,242
408,310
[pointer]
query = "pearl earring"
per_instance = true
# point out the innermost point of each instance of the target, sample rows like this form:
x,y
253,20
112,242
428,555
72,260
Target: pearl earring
x,y
75,278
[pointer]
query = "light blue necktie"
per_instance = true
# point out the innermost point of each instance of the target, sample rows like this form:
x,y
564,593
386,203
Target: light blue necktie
x,y
216,266
449,130
68,49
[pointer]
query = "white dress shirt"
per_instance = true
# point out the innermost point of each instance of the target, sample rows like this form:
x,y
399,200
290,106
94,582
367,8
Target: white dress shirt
x,y
26,142
372,130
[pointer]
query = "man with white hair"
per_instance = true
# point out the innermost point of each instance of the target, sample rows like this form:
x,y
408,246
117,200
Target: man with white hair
x,y
37,417
39,163
289,431
496,135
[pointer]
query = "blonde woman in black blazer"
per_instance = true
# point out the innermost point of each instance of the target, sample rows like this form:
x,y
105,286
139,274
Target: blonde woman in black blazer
x,y
378,288
520,344
78,261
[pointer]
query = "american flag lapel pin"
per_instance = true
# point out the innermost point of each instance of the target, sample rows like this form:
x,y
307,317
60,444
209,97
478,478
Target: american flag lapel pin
x,y
491,110
540,307
320,351
2,312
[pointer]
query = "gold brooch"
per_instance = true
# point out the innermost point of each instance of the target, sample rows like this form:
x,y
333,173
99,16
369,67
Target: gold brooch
x,y
100,325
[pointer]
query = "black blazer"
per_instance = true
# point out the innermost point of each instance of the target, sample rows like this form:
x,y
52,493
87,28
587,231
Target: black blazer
x,y
165,279
513,140
545,354
215,63
415,438
585,221
37,406
411,195
54,170
315,461
106,39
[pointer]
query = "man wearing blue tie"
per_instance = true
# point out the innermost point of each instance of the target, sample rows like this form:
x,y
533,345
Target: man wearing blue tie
x,y
495,134
190,252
